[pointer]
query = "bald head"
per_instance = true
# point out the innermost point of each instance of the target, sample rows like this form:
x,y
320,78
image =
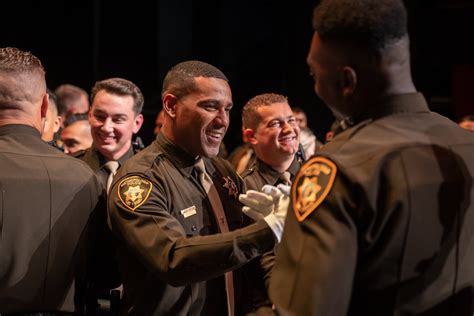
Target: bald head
x,y
23,98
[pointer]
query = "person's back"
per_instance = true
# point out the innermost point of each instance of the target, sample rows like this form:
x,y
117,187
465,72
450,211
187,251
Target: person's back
x,y
46,204
46,200
404,267
382,215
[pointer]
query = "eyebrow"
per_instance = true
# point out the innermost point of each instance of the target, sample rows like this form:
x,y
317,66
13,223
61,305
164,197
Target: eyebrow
x,y
214,102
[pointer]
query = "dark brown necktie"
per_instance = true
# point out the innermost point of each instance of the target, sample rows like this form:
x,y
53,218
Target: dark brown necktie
x,y
221,220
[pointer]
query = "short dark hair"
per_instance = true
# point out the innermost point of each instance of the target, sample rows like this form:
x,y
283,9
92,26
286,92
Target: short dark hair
x,y
250,117
121,87
16,64
180,78
14,60
374,24
76,117
66,95
53,100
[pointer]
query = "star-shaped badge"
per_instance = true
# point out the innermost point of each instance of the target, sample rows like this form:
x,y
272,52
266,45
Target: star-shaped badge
x,y
230,186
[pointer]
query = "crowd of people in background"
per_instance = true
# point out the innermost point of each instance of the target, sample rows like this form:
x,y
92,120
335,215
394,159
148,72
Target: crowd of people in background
x,y
373,220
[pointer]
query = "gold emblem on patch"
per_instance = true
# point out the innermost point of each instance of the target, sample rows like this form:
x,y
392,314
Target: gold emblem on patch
x,y
230,186
311,186
134,191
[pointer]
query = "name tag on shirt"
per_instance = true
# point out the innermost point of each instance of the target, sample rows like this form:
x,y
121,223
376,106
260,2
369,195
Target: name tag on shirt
x,y
190,211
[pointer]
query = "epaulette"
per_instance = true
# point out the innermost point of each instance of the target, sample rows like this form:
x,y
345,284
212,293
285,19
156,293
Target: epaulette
x,y
247,172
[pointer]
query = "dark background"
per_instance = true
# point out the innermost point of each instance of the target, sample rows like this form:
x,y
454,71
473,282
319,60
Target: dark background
x,y
261,46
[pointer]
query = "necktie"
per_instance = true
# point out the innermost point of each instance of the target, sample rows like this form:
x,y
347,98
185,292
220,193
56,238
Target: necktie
x,y
111,167
285,178
221,220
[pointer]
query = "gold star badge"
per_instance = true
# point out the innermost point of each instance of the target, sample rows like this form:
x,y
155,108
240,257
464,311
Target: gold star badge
x,y
311,186
230,186
134,191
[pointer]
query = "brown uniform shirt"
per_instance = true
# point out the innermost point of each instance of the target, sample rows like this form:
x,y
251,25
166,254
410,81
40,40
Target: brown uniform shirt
x,y
96,161
106,273
259,271
382,220
171,256
46,205
260,174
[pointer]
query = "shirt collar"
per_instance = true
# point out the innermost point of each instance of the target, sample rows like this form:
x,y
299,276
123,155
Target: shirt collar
x,y
271,176
176,155
394,104
19,129
99,160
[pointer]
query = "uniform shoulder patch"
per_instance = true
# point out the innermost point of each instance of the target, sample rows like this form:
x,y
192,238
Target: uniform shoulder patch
x,y
133,191
311,185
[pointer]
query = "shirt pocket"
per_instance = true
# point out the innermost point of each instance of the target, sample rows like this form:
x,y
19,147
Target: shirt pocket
x,y
191,220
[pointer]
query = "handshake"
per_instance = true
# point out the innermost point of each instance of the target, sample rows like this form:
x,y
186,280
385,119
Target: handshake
x,y
271,205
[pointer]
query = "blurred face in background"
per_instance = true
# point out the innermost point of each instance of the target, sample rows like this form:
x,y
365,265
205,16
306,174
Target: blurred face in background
x,y
76,136
301,119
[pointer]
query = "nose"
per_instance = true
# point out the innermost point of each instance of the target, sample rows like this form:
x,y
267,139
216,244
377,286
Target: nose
x,y
287,127
107,126
222,118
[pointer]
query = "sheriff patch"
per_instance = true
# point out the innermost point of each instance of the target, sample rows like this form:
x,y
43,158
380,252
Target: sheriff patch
x,y
134,191
311,186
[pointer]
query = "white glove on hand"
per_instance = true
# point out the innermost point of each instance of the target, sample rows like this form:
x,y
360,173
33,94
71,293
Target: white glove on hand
x,y
285,189
270,205
257,204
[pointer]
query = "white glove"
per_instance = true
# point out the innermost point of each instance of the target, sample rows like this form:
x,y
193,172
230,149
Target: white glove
x,y
285,189
270,205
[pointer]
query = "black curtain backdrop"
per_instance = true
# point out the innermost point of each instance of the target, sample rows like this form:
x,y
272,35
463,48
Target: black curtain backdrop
x,y
261,45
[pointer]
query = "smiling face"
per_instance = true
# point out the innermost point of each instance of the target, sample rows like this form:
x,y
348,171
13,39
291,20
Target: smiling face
x,y
200,119
113,123
277,134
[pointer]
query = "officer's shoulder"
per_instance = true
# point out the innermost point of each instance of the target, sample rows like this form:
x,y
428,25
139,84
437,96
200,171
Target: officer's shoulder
x,y
247,172
144,160
223,165
78,154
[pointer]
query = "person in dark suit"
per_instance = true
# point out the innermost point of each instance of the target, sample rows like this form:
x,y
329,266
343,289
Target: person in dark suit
x,y
47,201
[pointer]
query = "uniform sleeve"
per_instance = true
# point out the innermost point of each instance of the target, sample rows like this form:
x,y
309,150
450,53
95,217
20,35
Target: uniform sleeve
x,y
160,242
316,260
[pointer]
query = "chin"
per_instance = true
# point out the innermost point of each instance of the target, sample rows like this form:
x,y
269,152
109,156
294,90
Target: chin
x,y
210,153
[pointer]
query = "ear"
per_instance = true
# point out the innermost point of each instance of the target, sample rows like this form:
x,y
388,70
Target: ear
x,y
44,105
249,134
349,81
169,104
137,124
58,121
